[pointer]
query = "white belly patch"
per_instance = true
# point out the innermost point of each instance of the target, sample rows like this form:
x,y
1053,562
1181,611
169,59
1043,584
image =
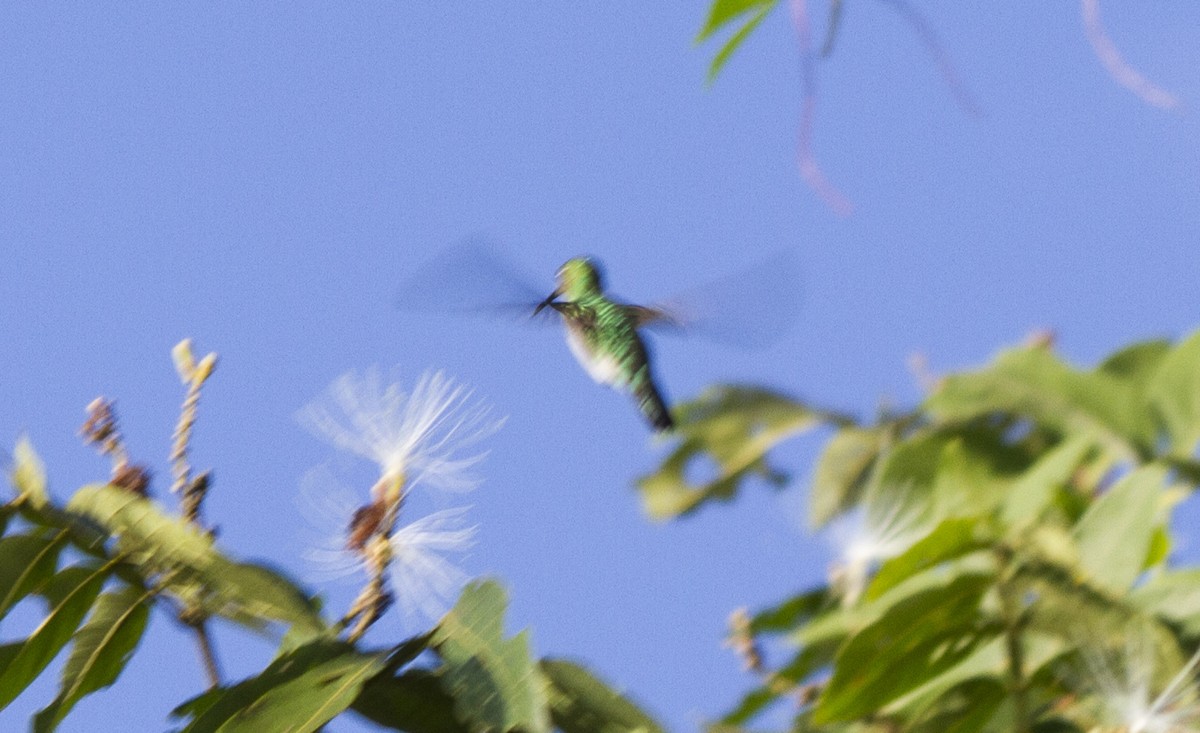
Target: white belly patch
x,y
602,369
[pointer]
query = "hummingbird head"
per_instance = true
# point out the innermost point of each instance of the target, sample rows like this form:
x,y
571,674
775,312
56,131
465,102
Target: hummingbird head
x,y
578,277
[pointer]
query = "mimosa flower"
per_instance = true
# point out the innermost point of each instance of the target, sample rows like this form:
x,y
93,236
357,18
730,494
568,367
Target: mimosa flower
x,y
1131,699
413,436
876,531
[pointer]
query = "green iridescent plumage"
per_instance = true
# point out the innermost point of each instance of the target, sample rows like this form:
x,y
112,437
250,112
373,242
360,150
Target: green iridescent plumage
x,y
603,336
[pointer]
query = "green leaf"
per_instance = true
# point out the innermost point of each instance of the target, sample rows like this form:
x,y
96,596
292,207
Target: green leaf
x,y
1174,596
1060,604
915,640
970,707
413,702
733,426
145,534
1034,491
100,651
1175,395
1033,383
580,703
751,704
842,472
987,661
951,539
722,12
29,474
70,594
736,40
80,531
187,563
840,622
792,612
26,563
300,691
494,682
1131,511
250,592
947,471
1137,363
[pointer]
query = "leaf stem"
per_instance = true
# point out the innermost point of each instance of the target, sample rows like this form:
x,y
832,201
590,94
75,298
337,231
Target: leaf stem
x,y
204,643
1012,618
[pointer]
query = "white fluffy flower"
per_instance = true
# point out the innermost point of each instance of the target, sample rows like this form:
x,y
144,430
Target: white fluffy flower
x,y
876,531
414,435
422,578
1132,701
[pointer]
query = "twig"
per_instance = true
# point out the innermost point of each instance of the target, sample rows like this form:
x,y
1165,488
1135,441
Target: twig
x,y
1010,609
1118,69
193,376
208,655
810,169
370,535
929,39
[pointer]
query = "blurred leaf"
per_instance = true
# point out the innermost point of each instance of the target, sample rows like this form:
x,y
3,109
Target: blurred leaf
x,y
792,612
1060,603
969,707
100,650
413,702
735,427
493,680
1160,547
988,661
1175,395
29,474
1174,596
79,530
751,704
1033,492
1132,511
842,472
299,691
722,12
961,469
915,640
841,622
249,593
951,539
145,534
581,703
727,49
26,563
70,594
1034,383
1137,363
975,472
188,563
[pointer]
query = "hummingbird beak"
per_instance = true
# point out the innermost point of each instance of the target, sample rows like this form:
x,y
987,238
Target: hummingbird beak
x,y
548,302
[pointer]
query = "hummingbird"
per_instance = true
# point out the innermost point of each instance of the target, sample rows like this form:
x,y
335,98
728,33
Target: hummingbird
x,y
602,334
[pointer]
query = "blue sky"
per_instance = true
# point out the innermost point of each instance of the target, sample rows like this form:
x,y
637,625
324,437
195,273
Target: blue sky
x,y
263,178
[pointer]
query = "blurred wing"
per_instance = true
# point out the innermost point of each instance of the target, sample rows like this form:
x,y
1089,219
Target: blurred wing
x,y
471,278
645,315
749,309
